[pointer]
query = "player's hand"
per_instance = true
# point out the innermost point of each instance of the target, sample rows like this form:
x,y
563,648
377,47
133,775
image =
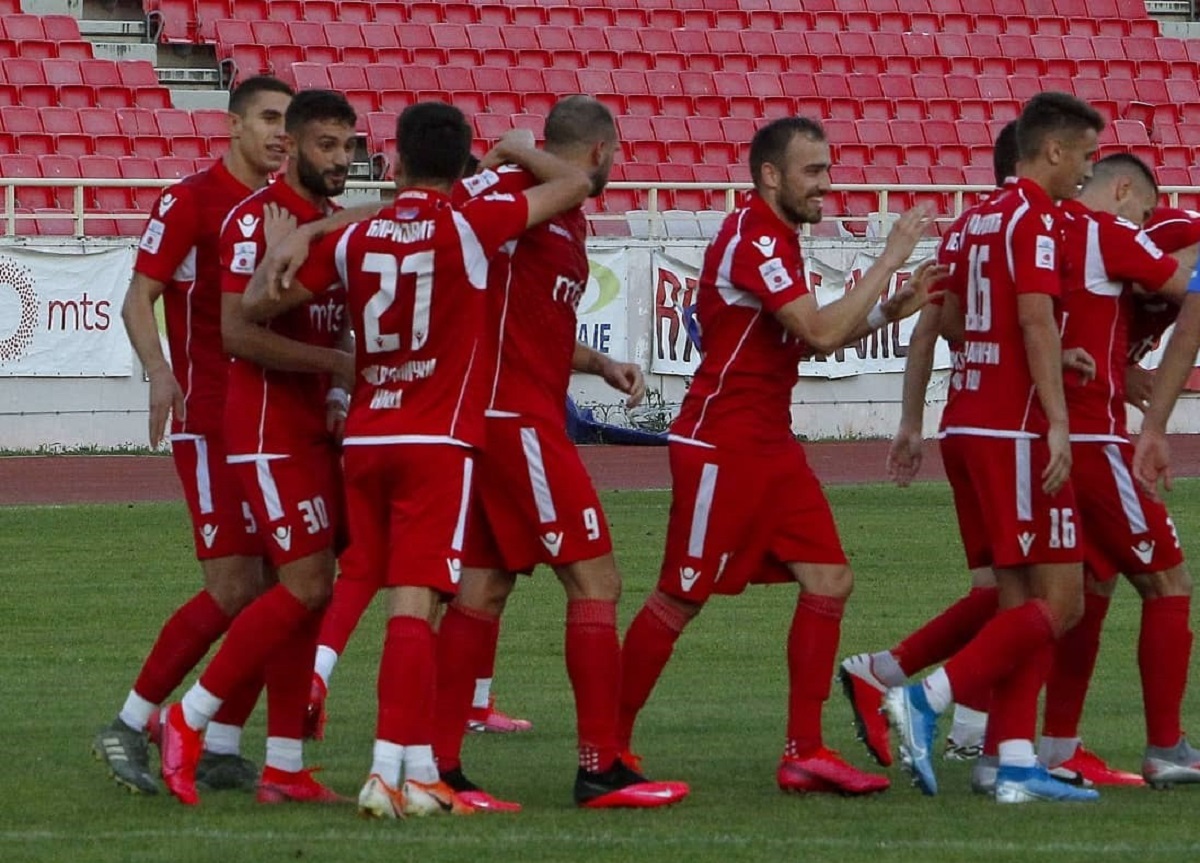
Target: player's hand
x,y
905,234
916,291
165,397
284,259
512,140
278,223
1058,469
337,404
1138,384
1079,360
1152,461
628,378
904,456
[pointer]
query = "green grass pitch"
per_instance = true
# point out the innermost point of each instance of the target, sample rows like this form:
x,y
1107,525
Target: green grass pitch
x,y
86,588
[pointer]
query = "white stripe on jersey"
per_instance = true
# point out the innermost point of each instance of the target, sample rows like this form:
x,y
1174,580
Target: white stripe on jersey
x,y
536,465
731,294
464,504
503,319
474,260
1096,281
203,482
975,431
1130,502
388,439
339,254
721,379
270,491
675,438
1024,480
1017,215
704,499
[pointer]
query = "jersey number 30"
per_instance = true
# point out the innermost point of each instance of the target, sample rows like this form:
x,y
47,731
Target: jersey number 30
x,y
419,264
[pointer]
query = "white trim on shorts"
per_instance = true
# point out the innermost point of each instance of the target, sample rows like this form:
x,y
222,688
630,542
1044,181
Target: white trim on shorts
x,y
702,511
538,481
1131,504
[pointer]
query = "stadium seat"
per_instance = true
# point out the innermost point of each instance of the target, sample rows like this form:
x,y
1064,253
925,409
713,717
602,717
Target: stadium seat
x,y
24,166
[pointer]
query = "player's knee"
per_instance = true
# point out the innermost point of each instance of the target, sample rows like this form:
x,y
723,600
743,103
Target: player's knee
x,y
232,589
832,581
1067,609
485,590
591,579
1172,582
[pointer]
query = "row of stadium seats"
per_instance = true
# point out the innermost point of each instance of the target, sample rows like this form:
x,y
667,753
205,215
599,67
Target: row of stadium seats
x,y
187,20
362,41
112,132
80,83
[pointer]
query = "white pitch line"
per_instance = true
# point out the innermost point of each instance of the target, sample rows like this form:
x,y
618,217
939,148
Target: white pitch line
x,y
974,847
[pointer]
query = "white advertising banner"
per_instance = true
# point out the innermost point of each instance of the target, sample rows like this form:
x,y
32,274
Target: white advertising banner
x,y
604,307
60,312
833,269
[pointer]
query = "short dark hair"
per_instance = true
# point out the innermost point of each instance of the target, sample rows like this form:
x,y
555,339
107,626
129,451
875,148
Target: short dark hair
x,y
309,105
772,140
1006,154
1124,163
579,120
433,141
472,165
243,94
1052,113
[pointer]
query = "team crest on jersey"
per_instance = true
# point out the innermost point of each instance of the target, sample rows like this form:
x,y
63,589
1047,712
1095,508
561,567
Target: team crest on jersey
x,y
1048,221
477,183
775,275
152,236
165,203
245,258
247,224
1044,257
766,245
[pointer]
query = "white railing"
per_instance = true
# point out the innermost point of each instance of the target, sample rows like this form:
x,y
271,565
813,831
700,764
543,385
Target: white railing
x,y
961,195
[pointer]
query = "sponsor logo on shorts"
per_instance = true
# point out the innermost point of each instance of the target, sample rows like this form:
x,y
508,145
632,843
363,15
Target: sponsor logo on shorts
x,y
208,532
553,541
1144,551
1026,539
283,536
688,578
455,567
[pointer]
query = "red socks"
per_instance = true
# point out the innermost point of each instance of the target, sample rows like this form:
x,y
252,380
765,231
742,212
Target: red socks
x,y
182,643
1071,674
1004,645
811,652
350,599
255,635
236,709
407,683
593,656
1015,698
948,633
648,646
289,678
1164,651
464,636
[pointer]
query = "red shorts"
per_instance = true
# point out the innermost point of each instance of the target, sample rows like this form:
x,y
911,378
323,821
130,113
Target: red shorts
x,y
534,501
738,518
296,500
1124,530
222,525
406,505
1005,518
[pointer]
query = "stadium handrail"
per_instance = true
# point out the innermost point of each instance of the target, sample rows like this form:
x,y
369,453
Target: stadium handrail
x,y
81,214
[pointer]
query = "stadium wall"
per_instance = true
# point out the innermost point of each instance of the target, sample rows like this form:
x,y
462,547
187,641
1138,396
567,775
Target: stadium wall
x,y
77,384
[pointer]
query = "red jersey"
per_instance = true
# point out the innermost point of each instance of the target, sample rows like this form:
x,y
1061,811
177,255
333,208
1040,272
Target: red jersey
x,y
179,249
270,412
533,294
1012,246
1104,257
1171,230
415,277
741,395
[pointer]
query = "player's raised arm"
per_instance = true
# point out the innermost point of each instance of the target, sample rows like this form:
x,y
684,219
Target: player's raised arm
x,y
564,185
904,455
